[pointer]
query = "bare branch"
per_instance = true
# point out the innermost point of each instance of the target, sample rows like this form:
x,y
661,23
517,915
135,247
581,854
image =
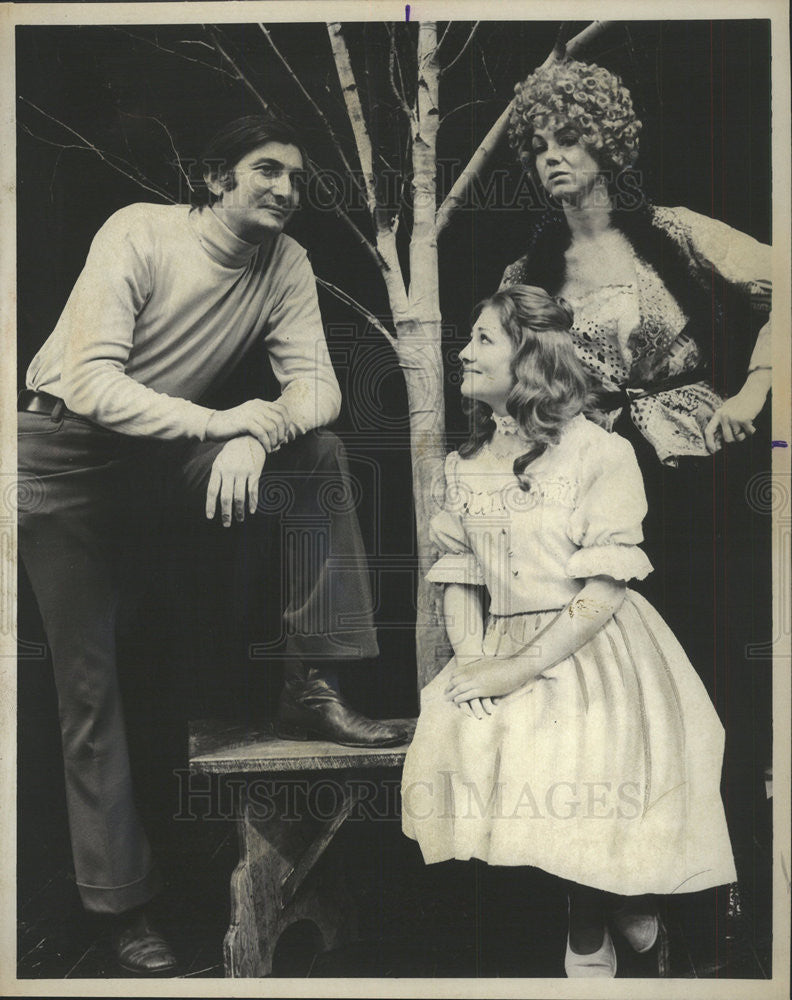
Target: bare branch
x,y
49,142
479,160
383,159
164,127
180,55
349,89
462,107
386,242
486,69
340,214
340,294
462,51
195,41
61,147
113,161
232,62
315,106
393,56
444,35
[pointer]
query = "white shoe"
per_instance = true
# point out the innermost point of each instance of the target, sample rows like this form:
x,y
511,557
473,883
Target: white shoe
x,y
600,963
639,929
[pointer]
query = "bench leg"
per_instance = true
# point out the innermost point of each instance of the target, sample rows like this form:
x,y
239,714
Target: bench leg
x,y
283,876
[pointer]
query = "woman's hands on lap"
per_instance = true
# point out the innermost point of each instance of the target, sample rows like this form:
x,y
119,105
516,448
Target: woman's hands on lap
x,y
476,683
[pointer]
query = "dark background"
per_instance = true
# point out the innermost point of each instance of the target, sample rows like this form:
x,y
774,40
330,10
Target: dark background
x,y
701,89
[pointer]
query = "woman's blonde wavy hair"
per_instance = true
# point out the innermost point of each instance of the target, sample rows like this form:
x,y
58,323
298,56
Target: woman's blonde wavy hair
x,y
550,385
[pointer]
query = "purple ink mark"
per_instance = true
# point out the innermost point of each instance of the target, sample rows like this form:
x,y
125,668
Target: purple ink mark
x,y
407,12
779,444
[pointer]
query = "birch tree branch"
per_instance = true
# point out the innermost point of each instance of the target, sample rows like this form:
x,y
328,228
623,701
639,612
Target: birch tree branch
x,y
444,36
166,130
349,89
240,75
342,296
385,238
456,196
317,110
468,104
342,216
181,55
584,38
117,163
424,282
462,51
392,59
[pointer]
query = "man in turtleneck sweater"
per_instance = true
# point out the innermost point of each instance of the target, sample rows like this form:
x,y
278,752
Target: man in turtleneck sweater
x,y
169,300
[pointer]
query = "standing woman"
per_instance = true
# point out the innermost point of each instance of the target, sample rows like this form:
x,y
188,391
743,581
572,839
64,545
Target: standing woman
x,y
649,287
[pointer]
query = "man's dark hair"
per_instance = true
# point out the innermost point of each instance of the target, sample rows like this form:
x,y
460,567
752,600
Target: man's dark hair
x,y
233,141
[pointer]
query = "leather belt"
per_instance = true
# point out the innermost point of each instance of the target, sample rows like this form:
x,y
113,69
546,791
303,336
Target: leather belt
x,y
36,401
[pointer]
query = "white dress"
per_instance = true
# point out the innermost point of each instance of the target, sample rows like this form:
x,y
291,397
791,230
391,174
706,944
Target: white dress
x,y
605,770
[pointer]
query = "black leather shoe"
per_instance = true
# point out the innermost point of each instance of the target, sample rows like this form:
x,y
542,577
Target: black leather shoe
x,y
310,709
140,949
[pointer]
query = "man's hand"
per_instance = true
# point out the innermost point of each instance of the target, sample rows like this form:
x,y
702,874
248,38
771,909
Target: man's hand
x,y
268,422
235,473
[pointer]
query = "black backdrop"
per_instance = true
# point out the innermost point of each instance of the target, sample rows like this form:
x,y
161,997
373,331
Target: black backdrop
x,y
700,87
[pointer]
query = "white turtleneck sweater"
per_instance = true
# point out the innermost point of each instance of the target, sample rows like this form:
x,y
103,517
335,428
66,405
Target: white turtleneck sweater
x,y
167,302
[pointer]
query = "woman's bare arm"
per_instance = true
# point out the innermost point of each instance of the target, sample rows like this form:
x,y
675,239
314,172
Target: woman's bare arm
x,y
487,677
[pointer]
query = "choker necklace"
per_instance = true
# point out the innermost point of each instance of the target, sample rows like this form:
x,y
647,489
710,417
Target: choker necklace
x,y
509,439
507,425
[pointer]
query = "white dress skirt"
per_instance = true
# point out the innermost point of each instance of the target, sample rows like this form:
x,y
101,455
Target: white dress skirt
x,y
604,770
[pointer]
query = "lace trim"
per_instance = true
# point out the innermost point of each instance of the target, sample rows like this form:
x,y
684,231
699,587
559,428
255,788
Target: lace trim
x,y
511,499
618,561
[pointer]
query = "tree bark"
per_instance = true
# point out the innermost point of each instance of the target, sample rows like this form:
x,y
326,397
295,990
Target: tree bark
x,y
416,315
420,354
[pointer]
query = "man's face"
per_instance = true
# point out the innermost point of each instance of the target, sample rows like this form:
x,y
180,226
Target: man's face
x,y
265,194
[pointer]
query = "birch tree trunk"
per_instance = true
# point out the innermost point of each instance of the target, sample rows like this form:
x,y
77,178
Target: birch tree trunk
x,y
416,316
415,305
418,347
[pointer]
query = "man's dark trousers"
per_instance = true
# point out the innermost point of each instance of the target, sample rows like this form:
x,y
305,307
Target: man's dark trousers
x,y
85,494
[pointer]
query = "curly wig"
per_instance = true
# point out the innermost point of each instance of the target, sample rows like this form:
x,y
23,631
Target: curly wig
x,y
550,386
590,98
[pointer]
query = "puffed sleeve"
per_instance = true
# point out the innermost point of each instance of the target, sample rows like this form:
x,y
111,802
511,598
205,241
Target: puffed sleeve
x,y
606,522
457,563
716,246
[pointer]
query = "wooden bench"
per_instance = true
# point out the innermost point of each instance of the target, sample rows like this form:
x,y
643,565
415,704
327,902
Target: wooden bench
x,y
282,876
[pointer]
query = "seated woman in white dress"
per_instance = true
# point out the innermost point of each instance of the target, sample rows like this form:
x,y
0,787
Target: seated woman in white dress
x,y
570,731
